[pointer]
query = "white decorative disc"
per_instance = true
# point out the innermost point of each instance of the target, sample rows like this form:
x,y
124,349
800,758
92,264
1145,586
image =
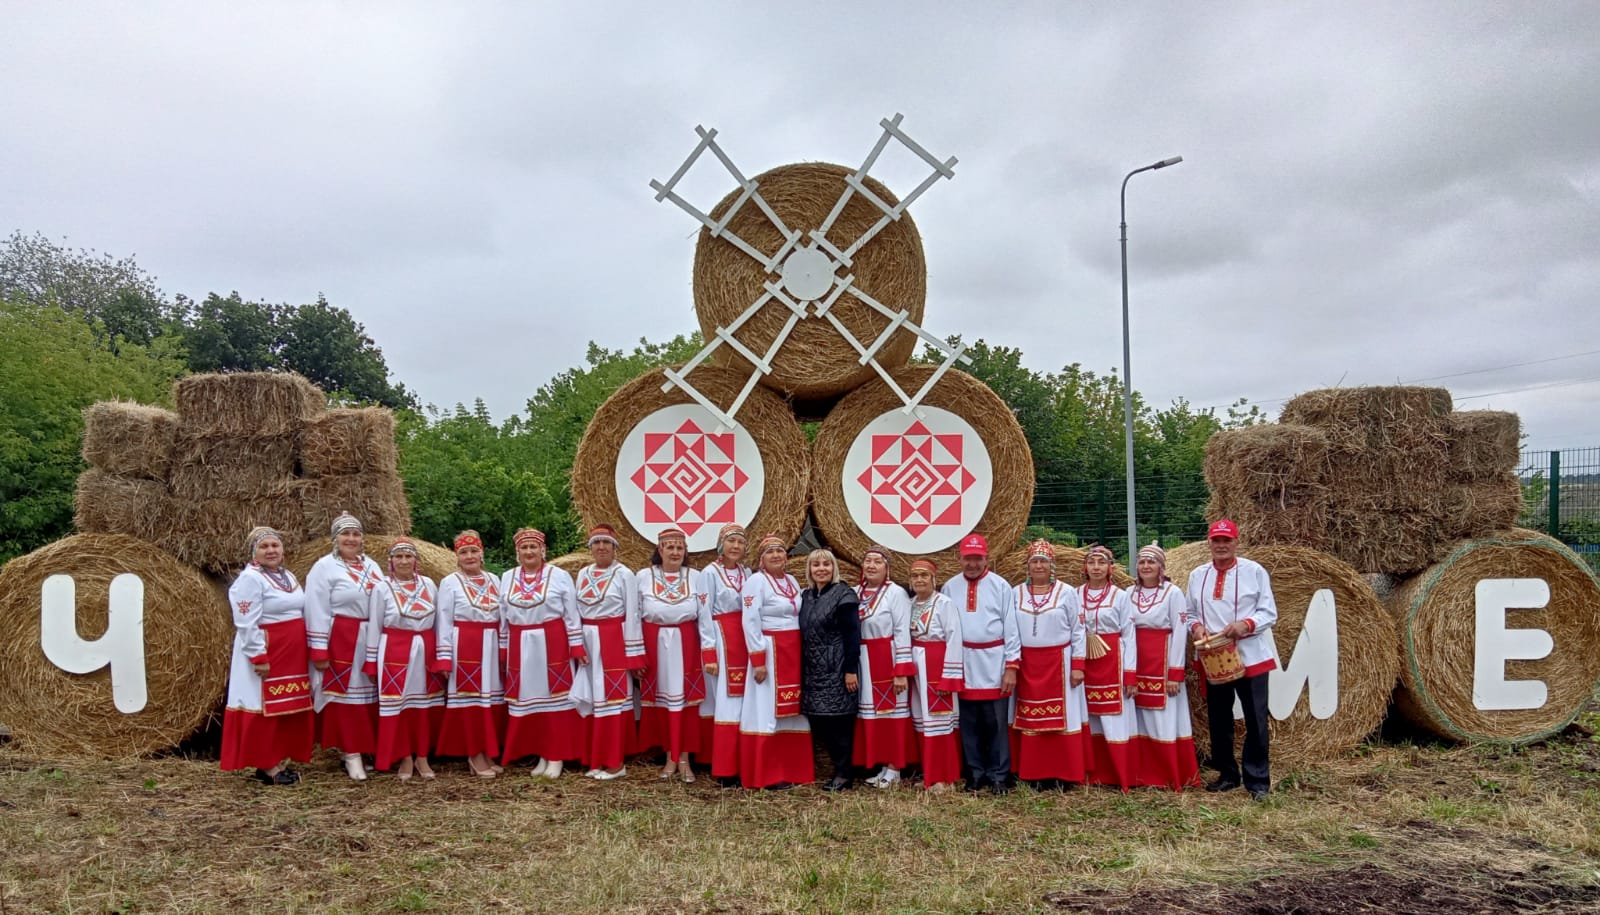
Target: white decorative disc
x,y
808,274
675,469
917,485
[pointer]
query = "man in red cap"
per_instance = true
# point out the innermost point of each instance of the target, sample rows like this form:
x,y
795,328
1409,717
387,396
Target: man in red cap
x,y
991,652
1231,598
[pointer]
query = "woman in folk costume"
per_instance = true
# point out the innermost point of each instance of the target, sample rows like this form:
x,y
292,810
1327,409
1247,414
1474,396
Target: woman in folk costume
x,y
674,683
269,718
723,654
830,665
937,678
1108,670
468,635
883,707
339,590
774,737
612,649
404,660
1163,740
1049,736
539,636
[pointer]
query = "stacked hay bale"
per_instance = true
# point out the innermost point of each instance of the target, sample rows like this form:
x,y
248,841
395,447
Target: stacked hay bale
x,y
1482,492
1272,480
349,462
129,450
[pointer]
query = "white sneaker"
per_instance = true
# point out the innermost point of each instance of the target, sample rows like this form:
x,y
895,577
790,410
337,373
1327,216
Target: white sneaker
x,y
604,776
539,769
353,766
551,771
876,781
592,773
888,778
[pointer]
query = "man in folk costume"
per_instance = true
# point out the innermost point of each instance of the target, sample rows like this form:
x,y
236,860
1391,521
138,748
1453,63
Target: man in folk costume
x,y
403,659
539,636
674,683
269,718
1230,615
613,648
774,737
468,634
724,656
1109,670
937,679
339,591
883,705
1049,737
1163,739
991,652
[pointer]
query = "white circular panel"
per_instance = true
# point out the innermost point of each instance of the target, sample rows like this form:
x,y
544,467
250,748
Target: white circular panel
x,y
808,274
676,469
917,485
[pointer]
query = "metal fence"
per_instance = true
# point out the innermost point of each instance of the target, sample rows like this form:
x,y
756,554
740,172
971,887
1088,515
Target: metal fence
x,y
1561,493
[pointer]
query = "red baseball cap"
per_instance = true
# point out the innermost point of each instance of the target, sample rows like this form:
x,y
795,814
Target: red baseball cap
x,y
1224,528
974,545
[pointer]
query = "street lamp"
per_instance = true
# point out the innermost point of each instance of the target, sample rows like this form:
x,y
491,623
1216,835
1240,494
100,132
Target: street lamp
x,y
1127,362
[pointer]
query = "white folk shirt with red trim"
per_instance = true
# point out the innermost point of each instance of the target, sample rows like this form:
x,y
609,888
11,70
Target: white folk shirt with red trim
x,y
658,610
1112,615
717,592
1247,596
525,603
1163,608
456,602
990,644
620,599
767,609
335,588
889,617
1050,620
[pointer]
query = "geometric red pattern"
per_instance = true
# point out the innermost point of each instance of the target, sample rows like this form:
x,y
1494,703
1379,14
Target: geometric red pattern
x,y
916,479
689,477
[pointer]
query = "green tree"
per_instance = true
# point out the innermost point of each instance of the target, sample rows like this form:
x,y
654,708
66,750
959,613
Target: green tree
x,y
228,334
117,296
53,364
328,346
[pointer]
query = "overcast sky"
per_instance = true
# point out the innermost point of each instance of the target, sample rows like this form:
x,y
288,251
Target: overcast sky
x,y
1370,193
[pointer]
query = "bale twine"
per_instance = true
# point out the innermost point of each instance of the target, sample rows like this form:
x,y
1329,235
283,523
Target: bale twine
x,y
849,572
232,467
348,441
1369,658
246,404
433,560
377,498
105,503
573,563
129,439
780,440
1272,480
1005,517
1436,614
1012,565
815,361
187,634
1483,443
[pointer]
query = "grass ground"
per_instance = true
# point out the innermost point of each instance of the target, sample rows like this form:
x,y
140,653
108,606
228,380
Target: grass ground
x,y
1398,828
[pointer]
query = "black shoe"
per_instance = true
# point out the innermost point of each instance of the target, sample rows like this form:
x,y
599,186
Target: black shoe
x,y
1222,784
286,777
262,777
780,786
972,787
1258,794
728,781
839,783
1001,788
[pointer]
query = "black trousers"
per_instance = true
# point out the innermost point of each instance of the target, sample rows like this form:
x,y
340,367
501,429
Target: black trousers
x,y
985,745
837,734
1252,693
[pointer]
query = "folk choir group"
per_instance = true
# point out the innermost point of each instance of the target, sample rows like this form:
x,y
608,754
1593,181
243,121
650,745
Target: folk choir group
x,y
742,668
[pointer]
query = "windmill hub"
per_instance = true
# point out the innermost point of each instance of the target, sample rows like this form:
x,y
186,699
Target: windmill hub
x,y
808,274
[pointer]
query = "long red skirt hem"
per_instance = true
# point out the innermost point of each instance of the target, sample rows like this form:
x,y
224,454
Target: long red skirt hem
x,y
767,759
409,733
468,731
1056,755
250,739
1165,765
725,750
1109,763
676,732
607,739
941,758
348,727
884,741
547,735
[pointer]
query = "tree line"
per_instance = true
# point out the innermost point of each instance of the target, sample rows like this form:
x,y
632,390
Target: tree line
x,y
77,326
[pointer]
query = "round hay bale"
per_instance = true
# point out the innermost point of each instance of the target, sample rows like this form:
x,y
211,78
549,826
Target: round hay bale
x,y
433,560
849,572
349,441
187,637
915,482
815,361
638,468
1368,653
1012,565
129,439
1436,614
573,563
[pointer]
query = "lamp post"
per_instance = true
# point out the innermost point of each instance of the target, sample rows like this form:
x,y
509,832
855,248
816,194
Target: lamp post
x,y
1127,361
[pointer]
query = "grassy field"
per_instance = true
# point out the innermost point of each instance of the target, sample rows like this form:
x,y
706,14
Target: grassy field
x,y
1398,828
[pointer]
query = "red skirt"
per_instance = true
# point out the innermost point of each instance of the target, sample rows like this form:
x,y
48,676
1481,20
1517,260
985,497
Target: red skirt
x,y
410,730
1102,678
609,738
283,729
468,730
351,726
555,734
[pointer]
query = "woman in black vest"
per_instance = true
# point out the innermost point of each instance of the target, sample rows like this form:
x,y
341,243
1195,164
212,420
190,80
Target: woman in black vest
x,y
830,634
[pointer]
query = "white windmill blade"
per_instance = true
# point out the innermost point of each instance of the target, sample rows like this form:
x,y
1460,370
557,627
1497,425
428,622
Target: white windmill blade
x,y
855,184
749,190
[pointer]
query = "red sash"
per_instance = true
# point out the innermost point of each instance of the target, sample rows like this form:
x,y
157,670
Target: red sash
x,y
785,672
1102,678
341,654
880,659
469,657
694,679
397,659
734,650
1150,674
557,657
286,689
933,660
1042,690
613,656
